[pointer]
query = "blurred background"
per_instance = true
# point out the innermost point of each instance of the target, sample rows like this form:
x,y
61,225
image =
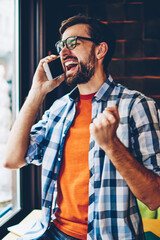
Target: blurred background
x,y
136,24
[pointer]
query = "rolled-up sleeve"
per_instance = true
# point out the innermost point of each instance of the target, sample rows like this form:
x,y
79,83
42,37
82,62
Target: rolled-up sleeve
x,y
38,142
145,133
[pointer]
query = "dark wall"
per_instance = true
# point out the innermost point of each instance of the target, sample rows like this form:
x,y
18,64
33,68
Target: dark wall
x,y
136,62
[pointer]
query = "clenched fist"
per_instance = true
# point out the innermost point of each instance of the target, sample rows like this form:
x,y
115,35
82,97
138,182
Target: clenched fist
x,y
104,127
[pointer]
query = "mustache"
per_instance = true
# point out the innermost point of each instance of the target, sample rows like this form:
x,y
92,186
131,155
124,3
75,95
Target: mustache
x,y
69,57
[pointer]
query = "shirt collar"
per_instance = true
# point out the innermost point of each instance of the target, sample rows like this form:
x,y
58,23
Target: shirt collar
x,y
102,94
105,90
74,94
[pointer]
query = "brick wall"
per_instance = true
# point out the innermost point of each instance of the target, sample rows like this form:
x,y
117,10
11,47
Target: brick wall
x,y
136,23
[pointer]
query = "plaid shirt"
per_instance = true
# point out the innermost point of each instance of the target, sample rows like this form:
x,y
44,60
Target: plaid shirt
x,y
113,212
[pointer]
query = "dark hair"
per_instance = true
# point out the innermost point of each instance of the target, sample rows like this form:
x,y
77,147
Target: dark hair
x,y
97,30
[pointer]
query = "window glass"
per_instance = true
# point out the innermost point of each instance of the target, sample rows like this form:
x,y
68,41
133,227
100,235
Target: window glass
x,y
9,179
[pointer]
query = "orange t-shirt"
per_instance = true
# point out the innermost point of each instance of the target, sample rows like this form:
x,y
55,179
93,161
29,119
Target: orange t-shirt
x,y
73,178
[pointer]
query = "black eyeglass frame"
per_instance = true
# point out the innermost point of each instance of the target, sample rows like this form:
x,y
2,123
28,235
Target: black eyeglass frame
x,y
74,46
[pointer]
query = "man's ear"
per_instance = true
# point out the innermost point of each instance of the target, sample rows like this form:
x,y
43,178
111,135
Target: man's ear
x,y
101,50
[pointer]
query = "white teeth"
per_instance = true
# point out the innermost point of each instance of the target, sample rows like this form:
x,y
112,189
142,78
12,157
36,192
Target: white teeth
x,y
70,62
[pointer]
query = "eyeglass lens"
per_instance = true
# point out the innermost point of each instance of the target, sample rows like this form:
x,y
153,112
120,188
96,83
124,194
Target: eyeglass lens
x,y
69,42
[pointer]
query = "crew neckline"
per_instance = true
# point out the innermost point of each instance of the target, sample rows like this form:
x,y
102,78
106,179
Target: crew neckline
x,y
87,96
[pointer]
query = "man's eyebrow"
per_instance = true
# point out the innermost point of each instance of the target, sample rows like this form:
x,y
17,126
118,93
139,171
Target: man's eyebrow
x,y
80,39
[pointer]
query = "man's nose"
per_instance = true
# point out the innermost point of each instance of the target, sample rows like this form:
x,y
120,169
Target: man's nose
x,y
65,51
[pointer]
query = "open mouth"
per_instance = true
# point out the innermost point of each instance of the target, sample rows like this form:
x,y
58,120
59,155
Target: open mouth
x,y
70,66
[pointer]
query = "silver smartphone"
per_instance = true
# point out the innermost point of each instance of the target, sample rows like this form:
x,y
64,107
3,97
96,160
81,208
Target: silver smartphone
x,y
53,69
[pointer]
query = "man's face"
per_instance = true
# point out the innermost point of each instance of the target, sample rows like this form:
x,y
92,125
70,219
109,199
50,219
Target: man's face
x,y
78,63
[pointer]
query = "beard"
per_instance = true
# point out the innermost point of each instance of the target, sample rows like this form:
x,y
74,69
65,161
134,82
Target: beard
x,y
85,71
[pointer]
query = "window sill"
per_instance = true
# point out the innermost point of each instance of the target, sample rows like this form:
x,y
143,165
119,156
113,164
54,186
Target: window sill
x,y
35,214
149,225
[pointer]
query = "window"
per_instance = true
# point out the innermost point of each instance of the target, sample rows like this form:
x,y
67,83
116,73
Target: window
x,y
9,179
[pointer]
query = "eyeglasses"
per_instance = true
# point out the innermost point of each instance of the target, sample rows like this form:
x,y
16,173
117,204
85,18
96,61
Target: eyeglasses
x,y
71,42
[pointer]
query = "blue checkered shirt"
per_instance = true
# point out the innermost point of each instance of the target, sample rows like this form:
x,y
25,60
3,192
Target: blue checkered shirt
x,y
112,212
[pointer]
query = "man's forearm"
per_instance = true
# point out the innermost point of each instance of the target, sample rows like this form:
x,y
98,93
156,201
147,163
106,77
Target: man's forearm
x,y
19,137
144,184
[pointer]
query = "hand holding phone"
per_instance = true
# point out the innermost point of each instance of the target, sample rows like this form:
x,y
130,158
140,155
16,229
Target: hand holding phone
x,y
53,69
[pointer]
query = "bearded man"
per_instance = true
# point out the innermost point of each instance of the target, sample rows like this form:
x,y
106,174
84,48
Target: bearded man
x,y
99,145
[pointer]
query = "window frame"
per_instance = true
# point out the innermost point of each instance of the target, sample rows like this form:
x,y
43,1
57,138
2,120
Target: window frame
x,y
30,50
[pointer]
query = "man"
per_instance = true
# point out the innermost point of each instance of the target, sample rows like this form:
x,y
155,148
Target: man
x,y
99,146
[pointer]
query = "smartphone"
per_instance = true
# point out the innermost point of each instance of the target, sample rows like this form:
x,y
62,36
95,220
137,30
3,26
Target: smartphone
x,y
53,69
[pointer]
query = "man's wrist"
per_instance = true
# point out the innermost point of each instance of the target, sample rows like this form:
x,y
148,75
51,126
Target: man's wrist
x,y
113,146
36,96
